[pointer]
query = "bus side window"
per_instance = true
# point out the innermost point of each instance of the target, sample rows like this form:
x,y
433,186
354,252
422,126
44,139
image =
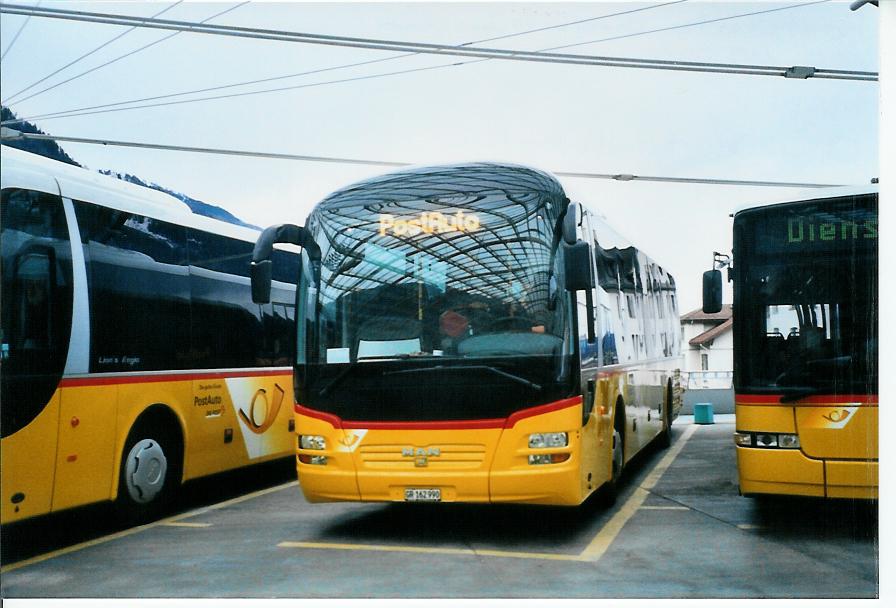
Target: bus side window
x,y
139,290
36,304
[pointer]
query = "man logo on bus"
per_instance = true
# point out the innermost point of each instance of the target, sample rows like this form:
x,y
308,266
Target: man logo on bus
x,y
432,222
270,410
421,455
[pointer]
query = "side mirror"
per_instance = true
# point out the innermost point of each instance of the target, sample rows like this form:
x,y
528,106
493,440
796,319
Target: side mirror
x,y
260,267
570,223
260,275
577,266
712,291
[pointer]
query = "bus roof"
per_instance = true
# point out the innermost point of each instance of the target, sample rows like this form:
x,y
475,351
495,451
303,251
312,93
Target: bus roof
x,y
26,170
415,181
814,194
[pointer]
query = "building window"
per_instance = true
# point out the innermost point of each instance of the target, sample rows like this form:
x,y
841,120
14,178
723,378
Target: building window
x,y
704,362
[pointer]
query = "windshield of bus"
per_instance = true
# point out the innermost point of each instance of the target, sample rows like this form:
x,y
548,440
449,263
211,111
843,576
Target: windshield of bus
x,y
806,297
437,293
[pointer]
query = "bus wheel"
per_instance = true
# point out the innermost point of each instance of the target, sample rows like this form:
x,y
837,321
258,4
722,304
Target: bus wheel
x,y
147,476
666,436
611,490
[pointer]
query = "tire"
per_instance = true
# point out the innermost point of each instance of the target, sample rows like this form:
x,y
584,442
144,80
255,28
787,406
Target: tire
x,y
148,476
611,491
665,437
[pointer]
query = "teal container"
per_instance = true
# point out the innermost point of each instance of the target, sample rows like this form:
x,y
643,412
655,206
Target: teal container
x,y
703,413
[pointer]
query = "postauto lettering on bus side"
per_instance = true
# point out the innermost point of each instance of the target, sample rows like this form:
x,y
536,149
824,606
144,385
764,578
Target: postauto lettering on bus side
x,y
429,222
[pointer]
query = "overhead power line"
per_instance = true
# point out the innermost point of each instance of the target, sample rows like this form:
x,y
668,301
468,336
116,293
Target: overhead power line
x,y
110,107
101,108
11,135
16,37
85,110
116,59
801,72
82,57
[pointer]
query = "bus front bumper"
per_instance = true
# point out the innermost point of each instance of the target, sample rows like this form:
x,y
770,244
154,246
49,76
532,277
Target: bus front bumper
x,y
790,472
557,484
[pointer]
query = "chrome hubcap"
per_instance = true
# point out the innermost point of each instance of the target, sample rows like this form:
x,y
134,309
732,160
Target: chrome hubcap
x,y
146,468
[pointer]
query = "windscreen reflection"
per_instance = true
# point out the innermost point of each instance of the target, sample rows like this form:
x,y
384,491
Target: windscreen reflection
x,y
806,307
456,275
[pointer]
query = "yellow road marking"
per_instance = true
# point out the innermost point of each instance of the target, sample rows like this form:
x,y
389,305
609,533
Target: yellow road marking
x,y
595,550
431,550
168,520
592,552
750,527
186,524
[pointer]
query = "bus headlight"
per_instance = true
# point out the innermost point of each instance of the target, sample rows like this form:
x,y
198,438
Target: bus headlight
x,y
789,441
766,440
548,440
547,458
786,441
312,442
308,459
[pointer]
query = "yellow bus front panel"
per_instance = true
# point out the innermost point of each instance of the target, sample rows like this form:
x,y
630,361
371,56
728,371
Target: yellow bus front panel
x,y
851,479
838,431
837,454
467,461
764,471
513,479
329,474
456,462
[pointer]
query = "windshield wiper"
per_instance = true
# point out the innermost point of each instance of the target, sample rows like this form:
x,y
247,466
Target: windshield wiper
x,y
488,368
341,375
339,378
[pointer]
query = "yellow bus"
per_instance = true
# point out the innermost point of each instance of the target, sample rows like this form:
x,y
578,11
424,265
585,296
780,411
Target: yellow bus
x,y
467,334
805,278
133,358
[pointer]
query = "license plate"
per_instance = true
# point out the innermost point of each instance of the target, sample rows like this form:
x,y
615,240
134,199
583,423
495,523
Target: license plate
x,y
423,494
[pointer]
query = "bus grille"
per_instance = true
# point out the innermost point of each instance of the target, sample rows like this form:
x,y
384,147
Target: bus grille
x,y
454,457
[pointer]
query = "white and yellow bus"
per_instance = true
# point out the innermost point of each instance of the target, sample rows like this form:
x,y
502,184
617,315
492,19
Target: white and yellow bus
x,y
133,358
805,278
466,333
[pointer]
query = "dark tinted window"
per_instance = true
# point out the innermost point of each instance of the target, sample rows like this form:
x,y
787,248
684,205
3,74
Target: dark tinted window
x,y
229,330
806,296
227,326
36,303
139,291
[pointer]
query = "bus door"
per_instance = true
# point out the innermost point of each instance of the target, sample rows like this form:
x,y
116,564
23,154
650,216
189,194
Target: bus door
x,y
36,326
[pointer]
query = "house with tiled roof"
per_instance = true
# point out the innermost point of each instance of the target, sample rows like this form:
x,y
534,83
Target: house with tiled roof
x,y
707,343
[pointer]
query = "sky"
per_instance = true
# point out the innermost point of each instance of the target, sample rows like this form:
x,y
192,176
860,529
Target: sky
x,y
566,118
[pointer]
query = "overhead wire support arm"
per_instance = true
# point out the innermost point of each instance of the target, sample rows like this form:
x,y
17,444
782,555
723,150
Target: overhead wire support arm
x,y
432,49
8,134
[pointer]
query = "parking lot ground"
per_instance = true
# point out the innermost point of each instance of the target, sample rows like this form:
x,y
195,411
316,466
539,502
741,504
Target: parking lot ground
x,y
678,529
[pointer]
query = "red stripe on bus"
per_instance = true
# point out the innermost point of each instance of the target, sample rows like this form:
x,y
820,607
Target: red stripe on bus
x,y
809,400
541,409
138,379
440,425
336,421
487,423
